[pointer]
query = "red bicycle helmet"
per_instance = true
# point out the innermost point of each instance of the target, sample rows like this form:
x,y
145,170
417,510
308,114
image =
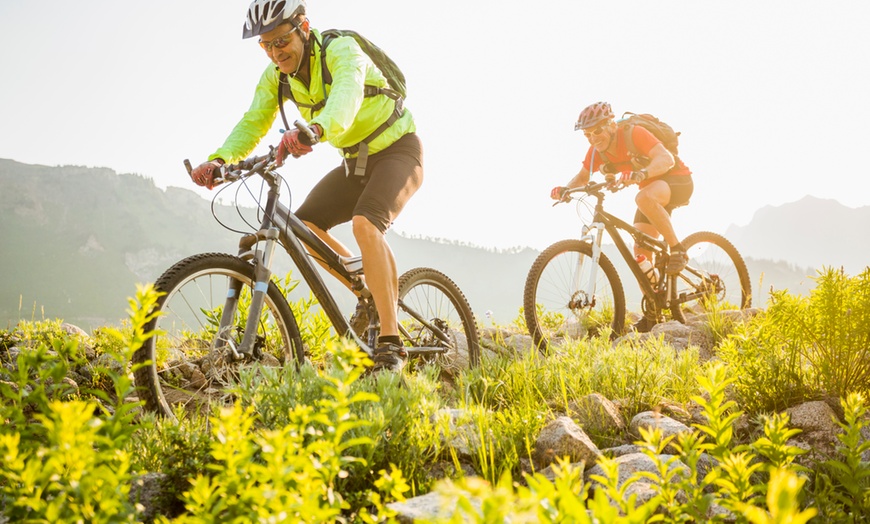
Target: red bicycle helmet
x,y
593,115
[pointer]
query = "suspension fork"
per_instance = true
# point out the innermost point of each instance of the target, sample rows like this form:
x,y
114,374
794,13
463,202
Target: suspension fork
x,y
262,277
262,260
594,234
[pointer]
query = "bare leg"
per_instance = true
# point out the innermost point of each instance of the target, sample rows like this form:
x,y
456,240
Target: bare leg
x,y
652,200
379,267
650,230
337,246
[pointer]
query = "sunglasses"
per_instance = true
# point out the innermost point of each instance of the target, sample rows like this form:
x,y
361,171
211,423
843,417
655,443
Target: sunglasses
x,y
281,42
595,130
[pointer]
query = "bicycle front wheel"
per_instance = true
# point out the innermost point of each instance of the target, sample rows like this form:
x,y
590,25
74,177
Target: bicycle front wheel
x,y
559,300
435,317
716,273
189,361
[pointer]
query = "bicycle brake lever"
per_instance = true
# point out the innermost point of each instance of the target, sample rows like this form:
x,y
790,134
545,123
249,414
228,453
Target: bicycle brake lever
x,y
307,130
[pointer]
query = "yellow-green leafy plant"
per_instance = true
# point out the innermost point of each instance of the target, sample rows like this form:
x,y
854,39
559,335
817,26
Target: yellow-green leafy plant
x,y
803,346
782,502
842,485
292,472
65,460
769,374
830,330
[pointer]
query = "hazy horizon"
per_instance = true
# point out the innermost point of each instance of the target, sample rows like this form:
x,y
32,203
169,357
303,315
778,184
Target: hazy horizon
x,y
750,85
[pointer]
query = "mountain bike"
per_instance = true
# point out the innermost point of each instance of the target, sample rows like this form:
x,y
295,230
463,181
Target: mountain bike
x,y
221,313
573,289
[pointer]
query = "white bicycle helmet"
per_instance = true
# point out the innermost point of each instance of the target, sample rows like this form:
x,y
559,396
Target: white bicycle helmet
x,y
265,15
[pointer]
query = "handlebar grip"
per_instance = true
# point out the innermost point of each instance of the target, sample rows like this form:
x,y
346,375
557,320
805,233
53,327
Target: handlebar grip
x,y
306,131
188,166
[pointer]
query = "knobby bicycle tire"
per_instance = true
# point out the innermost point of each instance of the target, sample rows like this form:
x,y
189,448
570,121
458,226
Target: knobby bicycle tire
x,y
555,304
431,295
180,364
723,274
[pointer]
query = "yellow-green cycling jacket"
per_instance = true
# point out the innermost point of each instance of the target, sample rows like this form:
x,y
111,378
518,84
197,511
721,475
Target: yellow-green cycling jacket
x,y
347,118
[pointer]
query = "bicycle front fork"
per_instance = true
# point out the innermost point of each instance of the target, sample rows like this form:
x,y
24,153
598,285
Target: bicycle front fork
x,y
262,260
592,233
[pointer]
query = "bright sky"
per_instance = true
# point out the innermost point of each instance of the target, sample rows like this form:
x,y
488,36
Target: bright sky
x,y
770,96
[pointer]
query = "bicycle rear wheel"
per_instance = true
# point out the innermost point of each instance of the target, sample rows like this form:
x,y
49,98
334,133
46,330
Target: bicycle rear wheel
x,y
187,362
558,300
716,271
433,313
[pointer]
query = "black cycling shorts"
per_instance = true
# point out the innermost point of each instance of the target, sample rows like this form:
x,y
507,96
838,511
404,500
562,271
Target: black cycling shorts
x,y
393,175
682,188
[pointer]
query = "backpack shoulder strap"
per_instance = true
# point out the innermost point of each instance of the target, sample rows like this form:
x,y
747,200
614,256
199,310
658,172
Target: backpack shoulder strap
x,y
282,82
627,130
325,75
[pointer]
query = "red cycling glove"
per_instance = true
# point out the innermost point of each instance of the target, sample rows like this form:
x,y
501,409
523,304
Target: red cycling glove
x,y
557,192
205,173
633,177
295,143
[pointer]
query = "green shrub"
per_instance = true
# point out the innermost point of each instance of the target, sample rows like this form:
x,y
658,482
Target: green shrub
x,y
399,422
179,450
769,374
842,484
830,330
66,460
292,472
804,347
76,475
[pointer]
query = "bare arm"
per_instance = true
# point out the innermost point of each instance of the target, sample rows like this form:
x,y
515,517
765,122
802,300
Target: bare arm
x,y
580,179
660,161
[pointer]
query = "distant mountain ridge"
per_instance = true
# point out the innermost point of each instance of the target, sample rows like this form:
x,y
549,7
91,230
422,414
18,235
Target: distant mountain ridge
x,y
77,240
811,232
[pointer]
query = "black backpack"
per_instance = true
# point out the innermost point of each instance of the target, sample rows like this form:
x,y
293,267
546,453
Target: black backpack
x,y
659,129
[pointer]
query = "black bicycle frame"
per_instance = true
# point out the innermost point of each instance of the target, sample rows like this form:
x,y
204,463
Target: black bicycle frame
x,y
613,225
279,224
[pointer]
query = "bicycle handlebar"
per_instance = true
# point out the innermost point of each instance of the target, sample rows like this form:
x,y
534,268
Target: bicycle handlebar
x,y
592,188
254,164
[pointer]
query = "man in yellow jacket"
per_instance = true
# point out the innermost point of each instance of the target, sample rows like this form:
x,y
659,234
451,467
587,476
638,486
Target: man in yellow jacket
x,y
355,110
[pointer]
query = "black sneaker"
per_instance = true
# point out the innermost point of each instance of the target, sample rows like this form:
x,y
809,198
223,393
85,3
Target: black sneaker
x,y
677,261
359,322
389,357
644,325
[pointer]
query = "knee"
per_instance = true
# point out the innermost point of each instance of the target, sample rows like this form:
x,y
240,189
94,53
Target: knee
x,y
644,200
363,227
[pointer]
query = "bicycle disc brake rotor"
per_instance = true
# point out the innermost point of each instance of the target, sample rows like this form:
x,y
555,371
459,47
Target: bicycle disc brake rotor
x,y
430,339
580,300
715,285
